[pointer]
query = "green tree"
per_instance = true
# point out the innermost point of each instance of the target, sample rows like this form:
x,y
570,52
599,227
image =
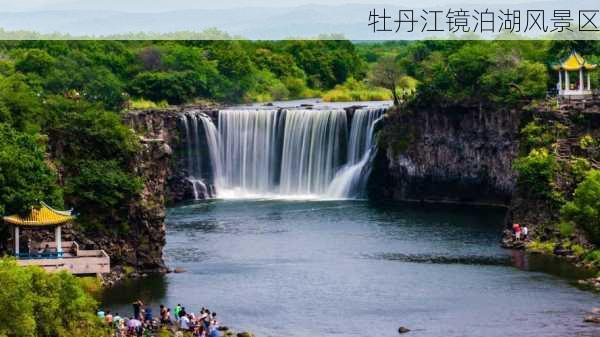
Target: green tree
x,y
584,209
25,178
387,74
34,302
102,190
19,104
36,61
536,172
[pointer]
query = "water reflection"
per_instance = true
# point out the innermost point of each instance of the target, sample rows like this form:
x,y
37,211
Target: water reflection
x,y
550,265
151,289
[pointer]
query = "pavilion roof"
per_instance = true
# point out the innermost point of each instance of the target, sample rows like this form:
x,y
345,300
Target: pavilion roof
x,y
573,62
40,216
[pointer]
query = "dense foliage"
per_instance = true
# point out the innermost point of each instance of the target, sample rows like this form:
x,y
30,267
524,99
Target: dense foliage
x,y
61,102
584,209
472,72
25,178
34,302
110,72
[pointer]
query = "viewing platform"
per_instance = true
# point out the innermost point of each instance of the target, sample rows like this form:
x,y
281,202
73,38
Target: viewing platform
x,y
53,255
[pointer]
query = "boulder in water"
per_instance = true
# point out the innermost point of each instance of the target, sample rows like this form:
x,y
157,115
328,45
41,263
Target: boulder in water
x,y
179,270
245,334
403,329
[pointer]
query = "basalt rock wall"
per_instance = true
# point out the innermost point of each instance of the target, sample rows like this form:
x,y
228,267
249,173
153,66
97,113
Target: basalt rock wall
x,y
452,154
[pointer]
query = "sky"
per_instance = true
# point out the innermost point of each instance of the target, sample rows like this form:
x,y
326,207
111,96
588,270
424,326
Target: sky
x,y
172,5
258,19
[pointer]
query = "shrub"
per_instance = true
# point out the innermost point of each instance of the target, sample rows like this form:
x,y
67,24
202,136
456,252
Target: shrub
x,y
579,168
536,172
593,257
586,141
142,104
34,302
578,250
566,228
535,135
584,209
546,247
353,90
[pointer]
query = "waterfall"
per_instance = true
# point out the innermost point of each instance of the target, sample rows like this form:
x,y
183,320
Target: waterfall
x,y
313,145
351,181
201,138
282,153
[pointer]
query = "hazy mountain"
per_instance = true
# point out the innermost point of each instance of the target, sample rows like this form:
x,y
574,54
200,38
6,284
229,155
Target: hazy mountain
x,y
250,22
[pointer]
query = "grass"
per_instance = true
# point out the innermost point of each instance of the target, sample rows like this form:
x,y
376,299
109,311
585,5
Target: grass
x,y
142,104
353,90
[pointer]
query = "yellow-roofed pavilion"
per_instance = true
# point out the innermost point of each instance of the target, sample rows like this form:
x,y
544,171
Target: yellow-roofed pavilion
x,y
42,216
574,63
57,255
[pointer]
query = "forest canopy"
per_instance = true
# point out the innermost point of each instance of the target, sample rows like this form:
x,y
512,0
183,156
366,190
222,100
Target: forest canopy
x,y
61,102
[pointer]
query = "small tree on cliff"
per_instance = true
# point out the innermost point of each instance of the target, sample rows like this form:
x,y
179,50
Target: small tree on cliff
x,y
386,73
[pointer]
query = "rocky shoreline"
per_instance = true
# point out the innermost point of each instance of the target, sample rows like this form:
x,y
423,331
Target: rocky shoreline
x,y
567,255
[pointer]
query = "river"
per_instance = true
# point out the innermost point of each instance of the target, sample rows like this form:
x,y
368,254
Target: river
x,y
285,268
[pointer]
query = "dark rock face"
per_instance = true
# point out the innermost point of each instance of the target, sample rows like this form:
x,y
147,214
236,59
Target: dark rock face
x,y
164,125
455,154
164,182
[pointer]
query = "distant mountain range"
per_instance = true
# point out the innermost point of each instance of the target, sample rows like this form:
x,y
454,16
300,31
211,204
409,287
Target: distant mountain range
x,y
305,21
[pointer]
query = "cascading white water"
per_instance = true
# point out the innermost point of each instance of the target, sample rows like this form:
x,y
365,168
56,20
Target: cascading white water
x,y
201,135
313,143
351,180
282,153
248,151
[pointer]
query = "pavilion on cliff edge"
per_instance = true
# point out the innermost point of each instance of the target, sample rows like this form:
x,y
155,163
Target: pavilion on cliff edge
x,y
574,64
53,255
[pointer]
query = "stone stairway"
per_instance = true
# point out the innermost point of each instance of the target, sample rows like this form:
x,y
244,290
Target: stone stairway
x,y
564,145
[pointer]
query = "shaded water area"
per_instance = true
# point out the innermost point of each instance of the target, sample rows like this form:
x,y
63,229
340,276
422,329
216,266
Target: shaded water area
x,y
350,268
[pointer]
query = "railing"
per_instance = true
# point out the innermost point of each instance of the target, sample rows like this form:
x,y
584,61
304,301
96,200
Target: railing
x,y
42,255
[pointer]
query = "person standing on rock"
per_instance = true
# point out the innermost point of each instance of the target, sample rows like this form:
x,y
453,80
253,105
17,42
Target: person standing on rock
x,y
525,232
517,230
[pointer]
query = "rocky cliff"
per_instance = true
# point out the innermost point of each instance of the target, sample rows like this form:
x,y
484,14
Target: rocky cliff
x,y
452,154
163,174
566,124
163,125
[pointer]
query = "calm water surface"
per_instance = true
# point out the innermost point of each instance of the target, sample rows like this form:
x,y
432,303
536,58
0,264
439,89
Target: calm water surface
x,y
348,268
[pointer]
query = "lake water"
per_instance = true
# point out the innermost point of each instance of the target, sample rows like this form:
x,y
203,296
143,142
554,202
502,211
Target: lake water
x,y
348,268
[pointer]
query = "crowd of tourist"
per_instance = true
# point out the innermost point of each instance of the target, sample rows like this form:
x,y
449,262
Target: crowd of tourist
x,y
143,323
